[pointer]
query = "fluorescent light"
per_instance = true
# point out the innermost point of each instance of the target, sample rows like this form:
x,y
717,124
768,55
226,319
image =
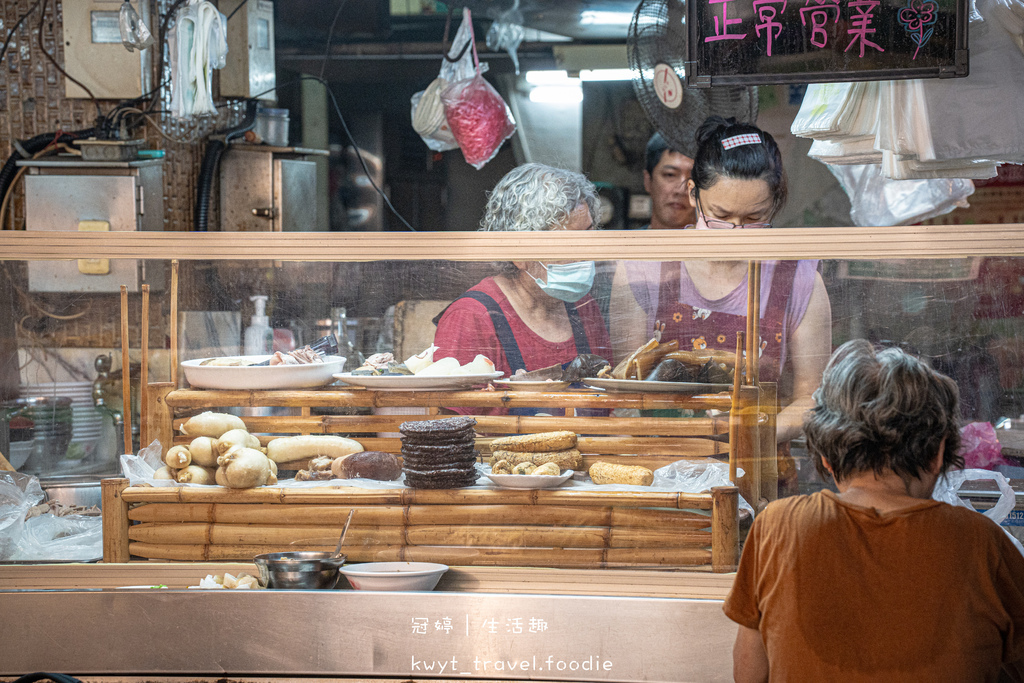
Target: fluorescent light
x,y
592,17
550,78
557,94
606,75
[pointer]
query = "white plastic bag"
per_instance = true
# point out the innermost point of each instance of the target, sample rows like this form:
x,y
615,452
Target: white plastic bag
x,y
73,537
18,494
696,476
199,46
428,118
139,469
879,201
947,486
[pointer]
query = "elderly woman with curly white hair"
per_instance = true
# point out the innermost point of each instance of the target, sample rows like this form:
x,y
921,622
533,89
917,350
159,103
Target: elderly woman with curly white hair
x,y
532,314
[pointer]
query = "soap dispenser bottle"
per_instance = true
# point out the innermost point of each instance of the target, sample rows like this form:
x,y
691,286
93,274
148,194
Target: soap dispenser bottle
x,y
259,338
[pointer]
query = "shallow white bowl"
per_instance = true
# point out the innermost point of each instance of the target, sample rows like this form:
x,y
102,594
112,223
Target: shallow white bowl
x,y
305,376
394,576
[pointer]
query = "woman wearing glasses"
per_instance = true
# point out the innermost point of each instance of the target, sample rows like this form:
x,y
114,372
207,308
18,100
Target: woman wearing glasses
x,y
737,182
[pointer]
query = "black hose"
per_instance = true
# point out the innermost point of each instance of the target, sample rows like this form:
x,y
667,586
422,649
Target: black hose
x,y
211,160
30,147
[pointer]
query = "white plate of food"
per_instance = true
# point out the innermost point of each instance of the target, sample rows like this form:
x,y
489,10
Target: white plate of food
x,y
640,386
247,376
530,481
416,382
528,385
394,576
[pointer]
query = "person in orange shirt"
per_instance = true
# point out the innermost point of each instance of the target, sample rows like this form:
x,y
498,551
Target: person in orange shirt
x,y
878,582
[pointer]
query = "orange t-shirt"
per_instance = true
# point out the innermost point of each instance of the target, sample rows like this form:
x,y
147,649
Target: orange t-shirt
x,y
840,592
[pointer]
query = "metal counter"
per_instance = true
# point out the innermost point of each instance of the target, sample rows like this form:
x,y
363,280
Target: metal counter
x,y
351,633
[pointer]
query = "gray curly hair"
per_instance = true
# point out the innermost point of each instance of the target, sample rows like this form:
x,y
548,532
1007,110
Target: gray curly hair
x,y
536,197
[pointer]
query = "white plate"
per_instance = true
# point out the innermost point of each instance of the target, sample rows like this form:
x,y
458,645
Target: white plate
x,y
305,376
415,382
394,576
530,481
637,385
542,385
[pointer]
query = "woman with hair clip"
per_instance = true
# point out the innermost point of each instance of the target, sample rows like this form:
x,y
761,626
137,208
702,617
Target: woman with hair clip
x,y
737,182
532,314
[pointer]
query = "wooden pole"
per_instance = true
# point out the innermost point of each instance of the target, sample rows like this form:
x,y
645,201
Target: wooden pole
x,y
126,374
144,376
174,322
115,520
734,417
748,373
4,465
725,535
158,417
755,361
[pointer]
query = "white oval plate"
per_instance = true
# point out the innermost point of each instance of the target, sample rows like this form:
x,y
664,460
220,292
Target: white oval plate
x,y
415,382
265,377
529,481
542,385
394,576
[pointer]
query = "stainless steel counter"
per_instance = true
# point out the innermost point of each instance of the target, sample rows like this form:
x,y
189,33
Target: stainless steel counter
x,y
350,633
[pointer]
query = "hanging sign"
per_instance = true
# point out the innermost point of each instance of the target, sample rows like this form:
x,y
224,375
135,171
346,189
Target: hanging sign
x,y
753,42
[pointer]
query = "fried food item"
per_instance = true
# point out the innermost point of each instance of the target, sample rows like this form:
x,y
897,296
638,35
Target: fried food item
x,y
569,459
540,442
501,467
524,468
548,469
609,473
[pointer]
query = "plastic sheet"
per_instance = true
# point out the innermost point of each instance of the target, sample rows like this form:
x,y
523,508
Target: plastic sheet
x,y
73,537
879,201
948,485
18,493
980,447
506,33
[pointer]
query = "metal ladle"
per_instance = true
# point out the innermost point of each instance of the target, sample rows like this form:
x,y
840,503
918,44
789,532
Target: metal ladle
x,y
344,530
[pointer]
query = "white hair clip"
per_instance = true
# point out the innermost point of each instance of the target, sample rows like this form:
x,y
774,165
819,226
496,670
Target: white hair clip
x,y
740,140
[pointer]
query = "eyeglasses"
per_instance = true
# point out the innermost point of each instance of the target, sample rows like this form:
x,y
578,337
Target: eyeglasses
x,y
716,224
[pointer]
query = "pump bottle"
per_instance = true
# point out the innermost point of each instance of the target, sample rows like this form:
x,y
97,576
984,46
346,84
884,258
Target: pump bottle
x,y
259,338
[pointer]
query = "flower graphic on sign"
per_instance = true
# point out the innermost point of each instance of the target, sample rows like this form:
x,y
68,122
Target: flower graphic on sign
x,y
918,19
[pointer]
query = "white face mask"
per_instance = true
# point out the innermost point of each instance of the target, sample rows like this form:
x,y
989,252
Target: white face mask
x,y
568,281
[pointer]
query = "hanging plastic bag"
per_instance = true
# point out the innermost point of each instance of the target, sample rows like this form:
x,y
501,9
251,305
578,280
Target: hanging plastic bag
x,y
947,486
879,201
506,33
480,120
428,119
135,34
73,537
18,493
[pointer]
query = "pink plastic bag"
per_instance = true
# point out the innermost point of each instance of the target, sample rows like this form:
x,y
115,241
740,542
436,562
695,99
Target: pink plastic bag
x,y
980,447
478,117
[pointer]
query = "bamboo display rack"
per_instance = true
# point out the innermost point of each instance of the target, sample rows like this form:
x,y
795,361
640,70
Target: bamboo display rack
x,y
471,527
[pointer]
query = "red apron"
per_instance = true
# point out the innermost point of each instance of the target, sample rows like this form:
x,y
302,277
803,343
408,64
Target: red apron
x,y
697,328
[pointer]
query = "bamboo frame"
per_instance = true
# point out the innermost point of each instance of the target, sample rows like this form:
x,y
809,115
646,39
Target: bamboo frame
x,y
174,322
126,374
933,241
144,377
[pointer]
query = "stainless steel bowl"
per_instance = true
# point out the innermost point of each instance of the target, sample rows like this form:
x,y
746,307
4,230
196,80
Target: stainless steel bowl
x,y
299,570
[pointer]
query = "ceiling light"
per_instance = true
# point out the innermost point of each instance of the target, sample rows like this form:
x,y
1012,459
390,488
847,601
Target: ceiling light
x,y
550,77
597,17
557,94
606,75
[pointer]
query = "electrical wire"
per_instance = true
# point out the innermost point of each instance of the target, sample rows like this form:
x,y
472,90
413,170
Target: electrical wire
x,y
235,11
53,60
330,34
21,19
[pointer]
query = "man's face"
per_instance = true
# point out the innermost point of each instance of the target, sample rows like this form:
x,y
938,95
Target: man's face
x,y
670,202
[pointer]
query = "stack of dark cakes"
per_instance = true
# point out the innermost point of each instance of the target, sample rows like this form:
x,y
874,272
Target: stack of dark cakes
x,y
438,454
